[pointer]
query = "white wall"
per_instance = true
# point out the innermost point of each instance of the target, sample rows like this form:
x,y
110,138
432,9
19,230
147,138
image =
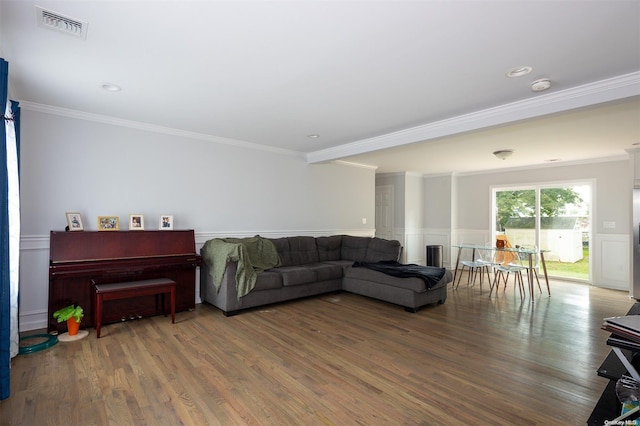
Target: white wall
x,y
71,164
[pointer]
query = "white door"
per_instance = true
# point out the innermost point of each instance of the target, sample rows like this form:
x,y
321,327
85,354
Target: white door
x,y
384,212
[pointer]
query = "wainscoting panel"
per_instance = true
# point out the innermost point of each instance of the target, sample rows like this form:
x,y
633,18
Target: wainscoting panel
x,y
414,248
34,282
612,261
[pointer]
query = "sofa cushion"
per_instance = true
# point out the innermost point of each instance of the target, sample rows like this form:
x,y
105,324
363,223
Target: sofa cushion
x,y
344,264
296,275
282,246
329,248
327,271
303,250
408,283
380,249
354,248
268,280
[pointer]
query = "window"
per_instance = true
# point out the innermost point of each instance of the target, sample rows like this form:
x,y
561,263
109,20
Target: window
x,y
554,217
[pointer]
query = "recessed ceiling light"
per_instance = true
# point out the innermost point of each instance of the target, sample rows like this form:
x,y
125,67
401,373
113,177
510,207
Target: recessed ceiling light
x,y
313,136
552,160
519,71
110,87
540,85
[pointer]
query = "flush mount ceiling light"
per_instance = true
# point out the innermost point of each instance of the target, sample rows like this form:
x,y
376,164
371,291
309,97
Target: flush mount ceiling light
x,y
110,87
540,85
503,153
519,71
313,136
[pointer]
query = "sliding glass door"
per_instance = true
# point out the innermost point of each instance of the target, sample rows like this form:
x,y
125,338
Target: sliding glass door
x,y
554,217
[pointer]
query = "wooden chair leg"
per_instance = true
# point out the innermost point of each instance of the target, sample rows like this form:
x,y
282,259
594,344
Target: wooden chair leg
x,y
535,273
519,280
496,281
493,284
460,276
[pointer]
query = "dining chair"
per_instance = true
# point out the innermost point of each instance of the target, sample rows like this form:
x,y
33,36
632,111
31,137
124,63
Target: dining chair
x,y
502,270
479,265
524,257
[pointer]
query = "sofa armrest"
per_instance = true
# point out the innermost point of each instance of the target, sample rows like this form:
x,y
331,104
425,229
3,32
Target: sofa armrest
x,y
226,296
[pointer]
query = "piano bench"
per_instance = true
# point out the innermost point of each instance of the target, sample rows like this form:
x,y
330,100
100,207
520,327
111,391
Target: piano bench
x,y
125,290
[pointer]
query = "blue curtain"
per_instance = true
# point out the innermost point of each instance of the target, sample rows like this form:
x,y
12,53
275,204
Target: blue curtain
x,y
9,231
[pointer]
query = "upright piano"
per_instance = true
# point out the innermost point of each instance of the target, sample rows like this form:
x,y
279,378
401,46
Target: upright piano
x,y
79,258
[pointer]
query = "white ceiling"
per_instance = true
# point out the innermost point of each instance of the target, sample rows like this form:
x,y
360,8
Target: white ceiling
x,y
403,85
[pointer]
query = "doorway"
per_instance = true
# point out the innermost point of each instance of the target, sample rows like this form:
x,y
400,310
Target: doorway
x,y
553,217
384,212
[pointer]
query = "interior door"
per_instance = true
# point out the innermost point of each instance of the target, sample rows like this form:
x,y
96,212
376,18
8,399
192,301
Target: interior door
x,y
384,212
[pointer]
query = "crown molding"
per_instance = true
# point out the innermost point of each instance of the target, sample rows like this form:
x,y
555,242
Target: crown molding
x,y
113,121
352,164
608,90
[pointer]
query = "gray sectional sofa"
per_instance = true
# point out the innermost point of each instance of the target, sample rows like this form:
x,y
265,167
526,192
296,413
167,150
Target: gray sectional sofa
x,y
307,266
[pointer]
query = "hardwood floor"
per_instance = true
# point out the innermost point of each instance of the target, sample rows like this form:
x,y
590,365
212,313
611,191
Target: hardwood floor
x,y
336,359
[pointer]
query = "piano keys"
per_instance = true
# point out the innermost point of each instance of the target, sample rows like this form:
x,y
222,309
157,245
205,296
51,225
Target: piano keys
x,y
77,258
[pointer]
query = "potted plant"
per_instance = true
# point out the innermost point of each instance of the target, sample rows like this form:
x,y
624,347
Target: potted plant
x,y
72,315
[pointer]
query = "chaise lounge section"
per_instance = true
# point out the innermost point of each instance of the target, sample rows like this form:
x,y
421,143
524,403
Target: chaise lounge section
x,y
302,266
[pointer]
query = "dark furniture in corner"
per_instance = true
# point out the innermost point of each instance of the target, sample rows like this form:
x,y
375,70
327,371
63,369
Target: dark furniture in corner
x,y
608,406
78,259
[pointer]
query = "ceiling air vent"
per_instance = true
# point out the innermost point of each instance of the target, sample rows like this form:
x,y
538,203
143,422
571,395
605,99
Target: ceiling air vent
x,y
61,23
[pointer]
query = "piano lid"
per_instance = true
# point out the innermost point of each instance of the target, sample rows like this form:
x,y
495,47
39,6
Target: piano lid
x,y
81,246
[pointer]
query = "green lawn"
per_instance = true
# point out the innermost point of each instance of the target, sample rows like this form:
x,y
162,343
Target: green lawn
x,y
577,270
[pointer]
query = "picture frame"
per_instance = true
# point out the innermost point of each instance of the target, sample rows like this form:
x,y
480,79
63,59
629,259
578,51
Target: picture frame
x,y
166,223
108,223
136,222
74,221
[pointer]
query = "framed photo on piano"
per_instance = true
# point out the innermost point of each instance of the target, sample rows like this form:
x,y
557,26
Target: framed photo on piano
x,y
108,223
136,222
74,222
166,223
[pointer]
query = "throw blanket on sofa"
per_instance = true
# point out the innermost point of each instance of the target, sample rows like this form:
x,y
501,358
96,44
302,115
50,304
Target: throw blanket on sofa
x,y
253,255
430,274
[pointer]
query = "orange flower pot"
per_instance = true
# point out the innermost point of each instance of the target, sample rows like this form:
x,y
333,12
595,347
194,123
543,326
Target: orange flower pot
x,y
73,326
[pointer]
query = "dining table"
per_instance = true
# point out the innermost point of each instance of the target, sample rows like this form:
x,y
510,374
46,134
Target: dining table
x,y
509,253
